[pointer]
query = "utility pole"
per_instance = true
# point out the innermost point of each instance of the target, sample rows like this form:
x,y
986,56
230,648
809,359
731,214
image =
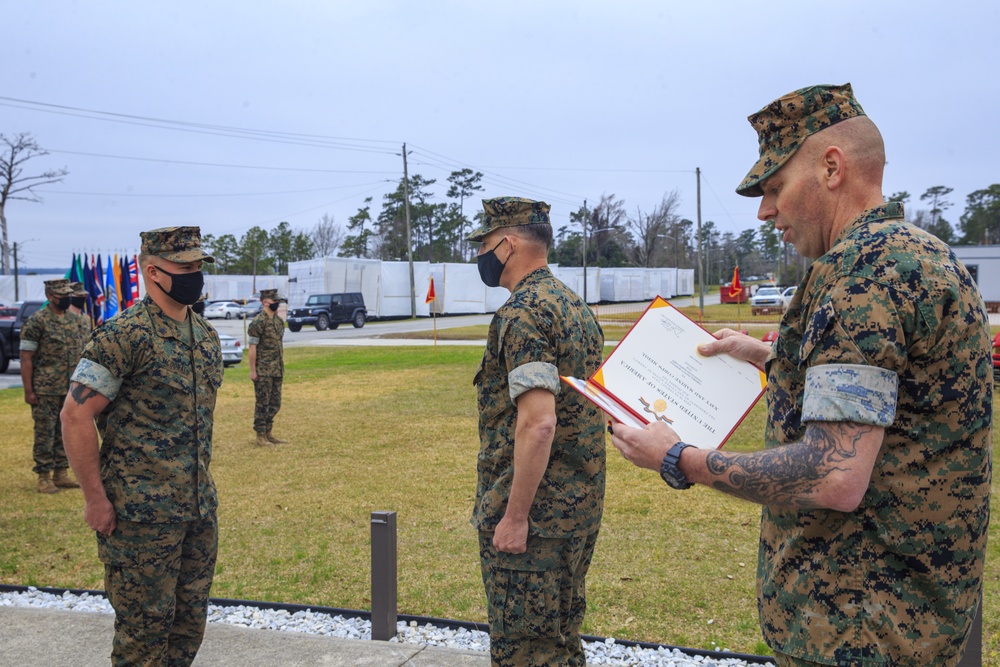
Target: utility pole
x,y
17,296
409,242
253,287
701,263
585,251
17,246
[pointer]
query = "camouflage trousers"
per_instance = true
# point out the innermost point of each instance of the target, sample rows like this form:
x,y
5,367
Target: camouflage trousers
x,y
267,391
48,451
536,600
785,660
158,576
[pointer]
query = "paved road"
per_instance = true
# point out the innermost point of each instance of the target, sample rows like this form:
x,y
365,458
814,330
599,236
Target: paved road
x,y
344,335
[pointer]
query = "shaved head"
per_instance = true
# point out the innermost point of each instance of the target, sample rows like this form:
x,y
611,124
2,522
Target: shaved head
x,y
861,142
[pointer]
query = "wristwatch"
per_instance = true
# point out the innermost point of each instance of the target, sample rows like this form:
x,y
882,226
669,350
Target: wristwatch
x,y
669,471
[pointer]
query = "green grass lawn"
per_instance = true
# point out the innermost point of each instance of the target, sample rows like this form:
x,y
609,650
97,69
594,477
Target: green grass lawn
x,y
395,429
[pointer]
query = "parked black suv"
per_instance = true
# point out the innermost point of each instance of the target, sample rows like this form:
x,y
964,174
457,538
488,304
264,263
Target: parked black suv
x,y
327,311
10,331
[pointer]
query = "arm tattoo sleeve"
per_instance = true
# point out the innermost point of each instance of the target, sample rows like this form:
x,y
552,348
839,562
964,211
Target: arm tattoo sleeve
x,y
81,393
786,476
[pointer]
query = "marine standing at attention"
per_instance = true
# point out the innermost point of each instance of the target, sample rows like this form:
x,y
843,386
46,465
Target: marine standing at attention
x,y
50,348
152,374
541,467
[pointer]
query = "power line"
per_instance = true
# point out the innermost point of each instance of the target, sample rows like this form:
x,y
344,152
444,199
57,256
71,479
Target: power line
x,y
719,201
318,141
444,163
239,194
218,164
284,216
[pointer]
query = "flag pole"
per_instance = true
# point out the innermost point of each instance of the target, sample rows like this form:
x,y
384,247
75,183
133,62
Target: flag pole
x,y
431,297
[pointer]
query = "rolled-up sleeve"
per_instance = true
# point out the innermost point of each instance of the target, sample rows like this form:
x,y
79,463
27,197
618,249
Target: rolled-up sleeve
x,y
850,393
533,375
97,377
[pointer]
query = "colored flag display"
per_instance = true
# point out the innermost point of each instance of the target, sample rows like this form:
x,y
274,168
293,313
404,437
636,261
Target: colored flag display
x,y
109,291
735,288
430,292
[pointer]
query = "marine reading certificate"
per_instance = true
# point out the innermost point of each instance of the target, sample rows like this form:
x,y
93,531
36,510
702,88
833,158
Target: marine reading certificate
x,y
656,374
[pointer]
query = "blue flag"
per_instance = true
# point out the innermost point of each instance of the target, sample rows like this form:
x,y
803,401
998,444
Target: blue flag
x,y
73,274
110,293
88,283
98,291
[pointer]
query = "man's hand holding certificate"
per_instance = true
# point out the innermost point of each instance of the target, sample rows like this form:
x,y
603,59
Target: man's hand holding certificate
x,y
656,374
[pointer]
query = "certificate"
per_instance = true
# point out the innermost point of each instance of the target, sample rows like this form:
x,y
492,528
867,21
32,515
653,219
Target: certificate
x,y
656,374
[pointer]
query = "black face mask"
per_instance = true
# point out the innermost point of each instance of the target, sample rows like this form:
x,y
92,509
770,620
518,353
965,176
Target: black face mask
x,y
273,307
490,267
198,307
78,301
62,303
185,288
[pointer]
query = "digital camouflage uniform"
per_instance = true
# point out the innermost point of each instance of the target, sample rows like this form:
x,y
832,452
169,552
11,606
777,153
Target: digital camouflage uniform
x,y
55,342
887,329
162,378
536,600
84,330
267,332
86,327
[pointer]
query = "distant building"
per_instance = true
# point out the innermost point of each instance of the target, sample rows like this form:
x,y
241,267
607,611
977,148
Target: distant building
x,y
983,262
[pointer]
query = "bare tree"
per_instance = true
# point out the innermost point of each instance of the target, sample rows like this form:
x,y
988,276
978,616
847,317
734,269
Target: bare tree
x,y
15,185
326,236
655,232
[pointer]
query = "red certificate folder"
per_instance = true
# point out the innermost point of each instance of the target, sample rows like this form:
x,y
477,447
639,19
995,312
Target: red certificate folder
x,y
656,373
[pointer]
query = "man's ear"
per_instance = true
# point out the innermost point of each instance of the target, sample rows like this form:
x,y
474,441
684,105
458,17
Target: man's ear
x,y
832,164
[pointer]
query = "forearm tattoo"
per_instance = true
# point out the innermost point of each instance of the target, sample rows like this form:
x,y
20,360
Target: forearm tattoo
x,y
786,476
81,393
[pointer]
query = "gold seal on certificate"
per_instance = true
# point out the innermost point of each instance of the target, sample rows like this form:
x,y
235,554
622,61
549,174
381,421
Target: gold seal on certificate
x,y
656,374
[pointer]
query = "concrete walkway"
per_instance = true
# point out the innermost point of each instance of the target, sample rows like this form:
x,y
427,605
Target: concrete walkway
x,y
42,638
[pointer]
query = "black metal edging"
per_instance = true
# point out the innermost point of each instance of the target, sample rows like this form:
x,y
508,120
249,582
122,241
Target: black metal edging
x,y
421,620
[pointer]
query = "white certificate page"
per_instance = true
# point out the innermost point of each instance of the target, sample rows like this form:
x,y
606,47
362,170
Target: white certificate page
x,y
657,372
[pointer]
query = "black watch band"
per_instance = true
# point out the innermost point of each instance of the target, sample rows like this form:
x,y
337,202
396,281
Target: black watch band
x,y
669,470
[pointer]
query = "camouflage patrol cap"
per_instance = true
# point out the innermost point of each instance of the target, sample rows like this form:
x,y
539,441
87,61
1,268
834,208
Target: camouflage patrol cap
x,y
78,289
175,244
58,287
785,123
271,294
510,212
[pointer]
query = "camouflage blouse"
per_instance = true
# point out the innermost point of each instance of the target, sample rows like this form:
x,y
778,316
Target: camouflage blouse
x,y
55,341
266,332
157,431
889,329
84,334
544,330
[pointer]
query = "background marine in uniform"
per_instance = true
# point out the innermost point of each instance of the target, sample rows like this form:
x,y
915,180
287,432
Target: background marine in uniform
x,y
77,303
50,348
267,366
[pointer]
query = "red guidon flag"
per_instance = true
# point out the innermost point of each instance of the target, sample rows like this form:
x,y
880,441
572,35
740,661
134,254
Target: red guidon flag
x,y
735,288
430,292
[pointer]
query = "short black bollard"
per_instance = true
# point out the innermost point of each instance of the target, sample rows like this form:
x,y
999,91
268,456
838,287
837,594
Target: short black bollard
x,y
383,575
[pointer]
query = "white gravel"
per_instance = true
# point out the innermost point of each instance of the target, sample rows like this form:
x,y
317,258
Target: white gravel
x,y
608,652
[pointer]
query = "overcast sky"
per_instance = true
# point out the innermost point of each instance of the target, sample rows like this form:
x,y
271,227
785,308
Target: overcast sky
x,y
229,114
